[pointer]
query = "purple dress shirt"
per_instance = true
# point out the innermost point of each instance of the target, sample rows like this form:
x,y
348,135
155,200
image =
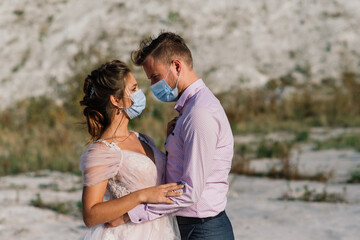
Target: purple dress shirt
x,y
200,151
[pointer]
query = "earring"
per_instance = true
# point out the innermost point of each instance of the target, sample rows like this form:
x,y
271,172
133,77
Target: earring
x,y
119,110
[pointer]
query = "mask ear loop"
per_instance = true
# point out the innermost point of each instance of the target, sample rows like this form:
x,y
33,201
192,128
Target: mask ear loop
x,y
168,72
128,92
120,108
177,81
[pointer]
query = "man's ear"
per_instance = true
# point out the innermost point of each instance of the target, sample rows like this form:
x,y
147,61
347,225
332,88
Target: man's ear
x,y
178,65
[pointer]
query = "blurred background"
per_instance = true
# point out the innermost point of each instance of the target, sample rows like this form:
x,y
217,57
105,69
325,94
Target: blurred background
x,y
286,72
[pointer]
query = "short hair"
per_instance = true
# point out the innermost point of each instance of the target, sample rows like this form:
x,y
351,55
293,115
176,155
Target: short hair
x,y
165,48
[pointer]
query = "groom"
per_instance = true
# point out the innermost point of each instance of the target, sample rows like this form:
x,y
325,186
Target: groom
x,y
200,147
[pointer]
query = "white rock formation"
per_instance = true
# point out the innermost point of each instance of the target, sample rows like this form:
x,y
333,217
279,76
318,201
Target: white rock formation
x,y
234,42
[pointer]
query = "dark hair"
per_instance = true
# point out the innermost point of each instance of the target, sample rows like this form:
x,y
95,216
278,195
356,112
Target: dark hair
x,y
107,80
165,48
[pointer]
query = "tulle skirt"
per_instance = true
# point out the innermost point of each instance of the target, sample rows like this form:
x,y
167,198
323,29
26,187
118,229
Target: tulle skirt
x,y
164,228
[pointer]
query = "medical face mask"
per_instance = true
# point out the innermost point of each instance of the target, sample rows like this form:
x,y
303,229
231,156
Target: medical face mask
x,y
139,102
163,91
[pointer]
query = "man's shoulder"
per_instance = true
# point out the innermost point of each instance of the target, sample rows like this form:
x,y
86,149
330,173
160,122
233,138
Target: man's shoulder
x,y
205,101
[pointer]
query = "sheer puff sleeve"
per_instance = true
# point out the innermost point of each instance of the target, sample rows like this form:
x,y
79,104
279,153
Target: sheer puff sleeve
x,y
99,163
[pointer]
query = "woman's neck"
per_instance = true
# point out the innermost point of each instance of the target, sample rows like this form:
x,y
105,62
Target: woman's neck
x,y
118,128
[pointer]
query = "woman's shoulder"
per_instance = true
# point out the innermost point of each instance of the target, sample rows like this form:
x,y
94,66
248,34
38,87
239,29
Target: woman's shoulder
x,y
99,153
94,147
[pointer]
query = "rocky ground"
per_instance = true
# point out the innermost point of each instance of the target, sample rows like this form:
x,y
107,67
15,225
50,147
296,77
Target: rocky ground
x,y
19,219
336,162
259,208
257,214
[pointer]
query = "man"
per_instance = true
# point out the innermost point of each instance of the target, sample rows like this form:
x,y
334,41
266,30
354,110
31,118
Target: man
x,y
200,147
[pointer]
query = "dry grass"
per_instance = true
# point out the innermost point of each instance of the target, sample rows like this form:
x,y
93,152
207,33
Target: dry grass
x,y
41,133
306,105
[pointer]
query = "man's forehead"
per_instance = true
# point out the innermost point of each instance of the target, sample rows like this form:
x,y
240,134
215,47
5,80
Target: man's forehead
x,y
152,66
148,68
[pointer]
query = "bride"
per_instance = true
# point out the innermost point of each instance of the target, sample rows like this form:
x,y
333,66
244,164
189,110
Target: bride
x,y
121,168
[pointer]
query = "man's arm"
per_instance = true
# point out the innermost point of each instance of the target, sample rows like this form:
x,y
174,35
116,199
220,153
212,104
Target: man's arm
x,y
200,135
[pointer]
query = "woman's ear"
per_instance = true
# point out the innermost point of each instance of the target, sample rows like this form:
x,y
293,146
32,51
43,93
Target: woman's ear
x,y
115,101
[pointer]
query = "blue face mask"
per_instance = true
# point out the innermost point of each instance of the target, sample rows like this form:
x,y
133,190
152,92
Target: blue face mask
x,y
163,91
139,102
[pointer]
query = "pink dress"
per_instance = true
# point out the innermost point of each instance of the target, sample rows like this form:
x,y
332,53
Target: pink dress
x,y
126,172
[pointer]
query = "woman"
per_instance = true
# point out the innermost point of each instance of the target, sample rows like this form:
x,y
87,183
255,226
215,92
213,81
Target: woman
x,y
120,164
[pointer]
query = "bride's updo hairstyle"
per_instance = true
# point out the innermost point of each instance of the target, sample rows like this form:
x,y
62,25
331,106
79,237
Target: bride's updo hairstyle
x,y
107,80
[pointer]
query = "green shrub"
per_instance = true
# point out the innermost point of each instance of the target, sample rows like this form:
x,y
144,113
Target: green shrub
x,y
311,195
273,149
302,136
354,176
342,142
59,207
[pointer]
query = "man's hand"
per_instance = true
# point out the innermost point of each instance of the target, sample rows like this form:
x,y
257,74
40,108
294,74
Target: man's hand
x,y
171,126
118,221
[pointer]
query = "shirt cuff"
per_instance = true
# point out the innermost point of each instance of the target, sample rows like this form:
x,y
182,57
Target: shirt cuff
x,y
138,214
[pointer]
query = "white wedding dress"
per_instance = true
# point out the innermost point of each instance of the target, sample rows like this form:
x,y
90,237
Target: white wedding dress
x,y
126,172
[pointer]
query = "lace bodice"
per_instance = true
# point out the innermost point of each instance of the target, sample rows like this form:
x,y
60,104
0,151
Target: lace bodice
x,y
134,171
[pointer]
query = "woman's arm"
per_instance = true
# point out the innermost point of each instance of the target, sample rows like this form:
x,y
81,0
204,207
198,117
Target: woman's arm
x,y
95,211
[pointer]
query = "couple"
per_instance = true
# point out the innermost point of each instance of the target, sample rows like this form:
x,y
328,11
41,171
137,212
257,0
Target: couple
x,y
143,188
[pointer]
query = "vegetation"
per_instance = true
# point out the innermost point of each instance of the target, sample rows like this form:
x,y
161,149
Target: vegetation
x,y
282,169
59,207
264,110
311,195
344,141
18,12
354,176
48,132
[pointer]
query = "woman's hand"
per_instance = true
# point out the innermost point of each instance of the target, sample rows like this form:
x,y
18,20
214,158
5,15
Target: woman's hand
x,y
161,193
171,126
157,194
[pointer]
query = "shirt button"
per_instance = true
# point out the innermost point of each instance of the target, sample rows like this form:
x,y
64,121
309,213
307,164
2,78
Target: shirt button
x,y
172,133
160,214
140,220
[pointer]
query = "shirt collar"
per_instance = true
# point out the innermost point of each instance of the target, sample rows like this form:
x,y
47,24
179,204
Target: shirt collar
x,y
188,93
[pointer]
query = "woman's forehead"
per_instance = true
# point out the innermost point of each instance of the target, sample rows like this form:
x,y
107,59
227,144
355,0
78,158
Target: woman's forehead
x,y
130,80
